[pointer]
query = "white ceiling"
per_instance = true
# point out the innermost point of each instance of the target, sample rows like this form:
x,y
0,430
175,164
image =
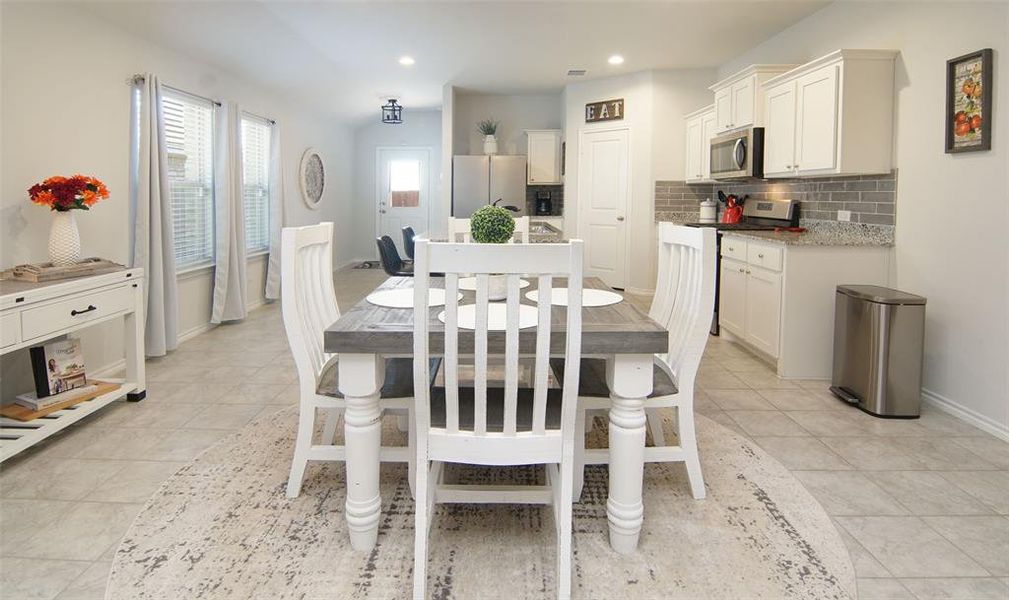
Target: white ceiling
x,y
341,56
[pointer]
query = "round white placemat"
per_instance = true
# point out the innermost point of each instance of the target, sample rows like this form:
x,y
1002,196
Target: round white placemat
x,y
590,298
469,284
497,315
403,298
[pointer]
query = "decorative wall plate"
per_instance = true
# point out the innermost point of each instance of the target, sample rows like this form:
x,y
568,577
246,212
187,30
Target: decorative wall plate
x,y
312,178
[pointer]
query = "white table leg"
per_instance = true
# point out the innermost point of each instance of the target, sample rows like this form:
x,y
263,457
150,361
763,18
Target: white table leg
x,y
630,379
361,378
133,330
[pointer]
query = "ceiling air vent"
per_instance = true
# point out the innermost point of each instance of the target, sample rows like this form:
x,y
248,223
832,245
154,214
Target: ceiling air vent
x,y
576,72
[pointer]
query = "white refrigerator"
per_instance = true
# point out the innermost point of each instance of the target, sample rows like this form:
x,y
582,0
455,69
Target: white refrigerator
x,y
480,180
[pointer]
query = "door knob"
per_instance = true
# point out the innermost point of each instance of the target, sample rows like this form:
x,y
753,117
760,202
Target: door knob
x,y
382,211
620,218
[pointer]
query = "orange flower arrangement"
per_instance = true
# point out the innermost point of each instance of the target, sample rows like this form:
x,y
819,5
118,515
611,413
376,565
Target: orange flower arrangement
x,y
68,193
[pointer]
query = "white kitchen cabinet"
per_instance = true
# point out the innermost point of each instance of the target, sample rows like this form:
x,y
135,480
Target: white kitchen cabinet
x,y
779,126
737,103
700,127
763,309
732,294
544,157
749,304
778,300
833,116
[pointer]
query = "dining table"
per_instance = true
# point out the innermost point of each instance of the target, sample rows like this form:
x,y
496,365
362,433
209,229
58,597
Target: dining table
x,y
625,336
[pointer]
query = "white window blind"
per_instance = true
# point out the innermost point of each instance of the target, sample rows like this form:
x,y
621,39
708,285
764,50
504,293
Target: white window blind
x,y
256,182
189,131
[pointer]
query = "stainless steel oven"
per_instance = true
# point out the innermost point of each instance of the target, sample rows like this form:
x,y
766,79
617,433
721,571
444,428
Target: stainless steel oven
x,y
738,155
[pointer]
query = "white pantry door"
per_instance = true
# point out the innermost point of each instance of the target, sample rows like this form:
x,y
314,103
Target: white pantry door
x,y
403,192
603,198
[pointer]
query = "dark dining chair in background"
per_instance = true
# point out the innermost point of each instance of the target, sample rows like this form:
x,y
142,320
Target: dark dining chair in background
x,y
391,261
408,236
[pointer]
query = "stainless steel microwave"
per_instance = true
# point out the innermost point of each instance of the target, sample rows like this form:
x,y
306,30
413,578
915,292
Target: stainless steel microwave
x,y
738,155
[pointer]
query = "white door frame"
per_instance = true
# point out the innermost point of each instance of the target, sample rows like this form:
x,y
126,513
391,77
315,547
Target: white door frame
x,y
378,184
582,131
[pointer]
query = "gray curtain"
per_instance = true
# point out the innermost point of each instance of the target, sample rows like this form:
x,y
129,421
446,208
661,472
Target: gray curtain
x,y
276,214
152,219
229,217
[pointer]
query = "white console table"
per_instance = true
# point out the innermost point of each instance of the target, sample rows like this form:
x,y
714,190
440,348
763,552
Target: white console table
x,y
31,313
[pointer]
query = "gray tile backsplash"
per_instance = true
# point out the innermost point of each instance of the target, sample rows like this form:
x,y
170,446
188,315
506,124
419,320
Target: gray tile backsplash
x,y
870,198
556,198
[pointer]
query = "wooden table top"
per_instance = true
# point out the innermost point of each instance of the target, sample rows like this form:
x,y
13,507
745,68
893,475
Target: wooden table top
x,y
616,329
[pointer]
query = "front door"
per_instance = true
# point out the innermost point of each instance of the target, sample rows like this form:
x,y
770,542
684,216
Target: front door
x,y
603,193
403,192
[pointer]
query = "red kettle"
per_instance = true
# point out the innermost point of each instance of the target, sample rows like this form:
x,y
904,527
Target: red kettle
x,y
733,210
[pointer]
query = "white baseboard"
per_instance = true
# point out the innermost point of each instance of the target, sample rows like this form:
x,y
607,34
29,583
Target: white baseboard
x,y
987,424
195,331
109,369
351,262
639,291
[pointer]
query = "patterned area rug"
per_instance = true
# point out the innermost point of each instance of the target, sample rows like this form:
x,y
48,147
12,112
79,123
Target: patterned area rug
x,y
222,528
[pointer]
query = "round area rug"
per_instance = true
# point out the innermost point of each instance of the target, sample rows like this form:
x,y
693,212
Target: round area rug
x,y
222,528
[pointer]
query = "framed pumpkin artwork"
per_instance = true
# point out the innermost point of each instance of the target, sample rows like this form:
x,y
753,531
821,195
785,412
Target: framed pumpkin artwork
x,y
968,102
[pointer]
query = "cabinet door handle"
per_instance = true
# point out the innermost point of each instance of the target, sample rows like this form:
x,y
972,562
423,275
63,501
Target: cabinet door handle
x,y
731,249
620,218
90,308
742,270
747,271
760,256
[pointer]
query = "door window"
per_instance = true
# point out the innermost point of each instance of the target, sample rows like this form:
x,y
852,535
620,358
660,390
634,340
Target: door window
x,y
404,183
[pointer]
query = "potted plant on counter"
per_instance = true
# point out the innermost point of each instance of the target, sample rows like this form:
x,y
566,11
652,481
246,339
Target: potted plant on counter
x,y
488,128
63,195
493,225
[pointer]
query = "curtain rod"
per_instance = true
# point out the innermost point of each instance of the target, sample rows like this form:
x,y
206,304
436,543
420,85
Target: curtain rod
x,y
137,79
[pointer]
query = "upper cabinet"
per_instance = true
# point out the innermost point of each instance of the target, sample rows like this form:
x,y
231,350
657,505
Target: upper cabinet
x,y
544,157
700,128
737,103
832,116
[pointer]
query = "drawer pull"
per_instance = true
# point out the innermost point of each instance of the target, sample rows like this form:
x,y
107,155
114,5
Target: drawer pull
x,y
90,308
731,249
760,256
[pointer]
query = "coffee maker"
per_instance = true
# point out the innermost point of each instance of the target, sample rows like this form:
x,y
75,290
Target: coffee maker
x,y
544,205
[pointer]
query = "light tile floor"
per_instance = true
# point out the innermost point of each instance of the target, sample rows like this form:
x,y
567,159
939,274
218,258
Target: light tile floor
x,y
922,505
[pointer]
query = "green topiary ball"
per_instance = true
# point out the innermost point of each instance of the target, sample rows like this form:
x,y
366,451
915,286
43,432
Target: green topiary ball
x,y
492,225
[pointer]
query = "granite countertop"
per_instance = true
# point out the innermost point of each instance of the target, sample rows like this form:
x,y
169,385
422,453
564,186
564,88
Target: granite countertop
x,y
825,233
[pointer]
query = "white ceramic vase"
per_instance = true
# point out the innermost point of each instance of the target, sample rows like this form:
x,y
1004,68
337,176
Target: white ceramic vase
x,y
489,145
497,288
64,239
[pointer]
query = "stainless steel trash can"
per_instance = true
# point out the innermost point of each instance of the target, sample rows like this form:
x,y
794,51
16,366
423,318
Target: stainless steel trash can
x,y
878,348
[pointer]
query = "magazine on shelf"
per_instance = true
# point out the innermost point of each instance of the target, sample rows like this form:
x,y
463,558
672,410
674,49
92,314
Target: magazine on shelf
x,y
33,402
58,367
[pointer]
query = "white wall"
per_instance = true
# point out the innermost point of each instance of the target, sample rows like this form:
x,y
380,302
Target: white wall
x,y
419,129
66,109
654,105
675,93
952,210
516,114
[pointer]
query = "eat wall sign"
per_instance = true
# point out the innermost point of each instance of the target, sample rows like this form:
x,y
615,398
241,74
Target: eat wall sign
x,y
607,110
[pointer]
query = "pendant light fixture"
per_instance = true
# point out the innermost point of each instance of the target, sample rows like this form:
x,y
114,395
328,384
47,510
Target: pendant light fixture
x,y
392,112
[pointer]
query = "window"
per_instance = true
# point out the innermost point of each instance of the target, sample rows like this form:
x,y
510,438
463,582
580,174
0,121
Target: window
x,y
404,183
256,182
189,131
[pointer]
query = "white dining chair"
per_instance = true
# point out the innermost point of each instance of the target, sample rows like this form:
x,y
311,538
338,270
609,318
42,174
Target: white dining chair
x,y
684,302
308,306
459,230
495,425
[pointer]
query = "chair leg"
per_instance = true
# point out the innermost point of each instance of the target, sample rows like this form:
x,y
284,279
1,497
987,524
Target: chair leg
x,y
655,427
564,530
579,457
688,441
329,429
411,442
306,427
421,521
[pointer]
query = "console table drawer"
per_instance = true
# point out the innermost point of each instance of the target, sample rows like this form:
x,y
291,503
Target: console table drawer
x,y
10,328
73,311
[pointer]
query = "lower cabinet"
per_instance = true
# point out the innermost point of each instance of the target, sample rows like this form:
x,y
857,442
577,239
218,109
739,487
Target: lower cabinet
x,y
750,304
778,299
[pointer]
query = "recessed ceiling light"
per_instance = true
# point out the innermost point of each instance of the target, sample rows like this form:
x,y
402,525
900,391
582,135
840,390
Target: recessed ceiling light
x,y
406,61
616,59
